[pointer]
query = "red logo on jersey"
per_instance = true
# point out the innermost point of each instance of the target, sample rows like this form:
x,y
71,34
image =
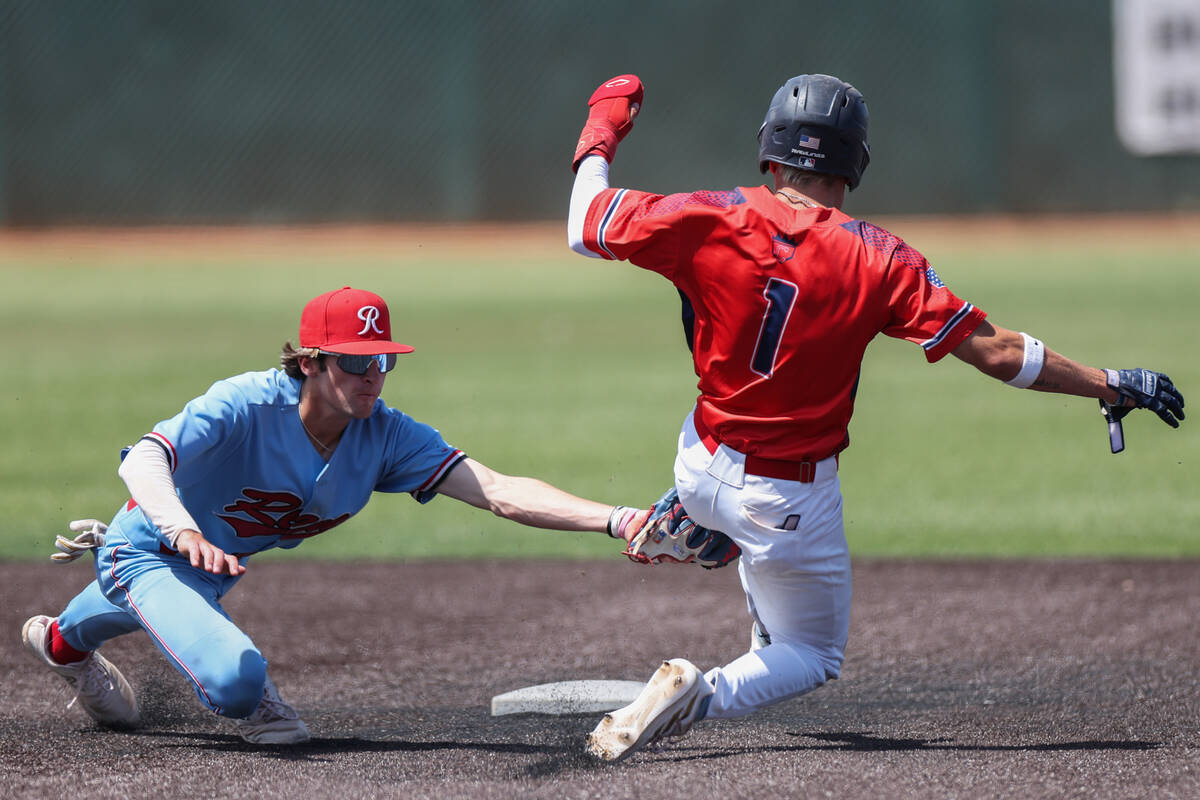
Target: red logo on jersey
x,y
782,248
275,514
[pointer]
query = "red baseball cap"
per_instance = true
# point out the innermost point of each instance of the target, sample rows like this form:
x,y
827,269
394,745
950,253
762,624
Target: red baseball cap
x,y
351,321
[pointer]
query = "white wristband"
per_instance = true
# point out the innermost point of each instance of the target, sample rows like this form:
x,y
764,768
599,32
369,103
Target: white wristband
x,y
617,519
1031,364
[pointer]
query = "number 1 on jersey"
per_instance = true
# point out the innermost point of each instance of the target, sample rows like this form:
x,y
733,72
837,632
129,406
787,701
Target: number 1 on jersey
x,y
780,296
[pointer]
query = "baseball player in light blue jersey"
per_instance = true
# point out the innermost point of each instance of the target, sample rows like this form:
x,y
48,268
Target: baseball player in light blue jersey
x,y
262,460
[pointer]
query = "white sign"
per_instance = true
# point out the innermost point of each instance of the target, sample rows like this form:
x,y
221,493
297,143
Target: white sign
x,y
1156,58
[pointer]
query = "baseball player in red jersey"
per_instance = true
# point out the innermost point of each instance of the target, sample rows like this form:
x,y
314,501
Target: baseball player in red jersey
x,y
782,293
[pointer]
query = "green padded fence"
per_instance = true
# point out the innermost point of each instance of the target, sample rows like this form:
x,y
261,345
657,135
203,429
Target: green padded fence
x,y
270,111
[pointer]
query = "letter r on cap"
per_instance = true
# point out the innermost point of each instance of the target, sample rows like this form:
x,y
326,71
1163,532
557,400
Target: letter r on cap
x,y
369,314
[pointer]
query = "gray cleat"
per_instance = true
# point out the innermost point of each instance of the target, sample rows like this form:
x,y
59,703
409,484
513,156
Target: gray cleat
x,y
273,722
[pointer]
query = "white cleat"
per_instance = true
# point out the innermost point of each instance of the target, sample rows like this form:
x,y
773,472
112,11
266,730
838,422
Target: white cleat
x,y
273,722
671,702
99,687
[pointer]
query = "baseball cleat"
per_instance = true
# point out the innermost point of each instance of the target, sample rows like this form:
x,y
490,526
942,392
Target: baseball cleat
x,y
100,688
672,701
273,722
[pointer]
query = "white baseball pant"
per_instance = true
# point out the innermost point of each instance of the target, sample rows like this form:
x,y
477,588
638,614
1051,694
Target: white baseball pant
x,y
794,568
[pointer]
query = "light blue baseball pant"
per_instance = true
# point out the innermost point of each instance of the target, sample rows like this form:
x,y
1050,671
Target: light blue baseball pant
x,y
179,607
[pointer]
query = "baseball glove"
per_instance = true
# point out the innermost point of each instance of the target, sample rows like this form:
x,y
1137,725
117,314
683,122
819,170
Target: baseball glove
x,y
671,535
91,535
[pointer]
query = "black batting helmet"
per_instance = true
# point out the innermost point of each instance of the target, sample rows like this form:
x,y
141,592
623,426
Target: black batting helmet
x,y
818,123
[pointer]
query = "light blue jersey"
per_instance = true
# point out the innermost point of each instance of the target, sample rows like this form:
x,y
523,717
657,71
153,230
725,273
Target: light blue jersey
x,y
247,473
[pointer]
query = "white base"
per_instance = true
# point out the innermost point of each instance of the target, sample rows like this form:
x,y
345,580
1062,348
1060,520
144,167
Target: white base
x,y
567,697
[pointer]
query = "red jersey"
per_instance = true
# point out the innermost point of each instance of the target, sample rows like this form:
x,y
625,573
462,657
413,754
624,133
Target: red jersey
x,y
786,300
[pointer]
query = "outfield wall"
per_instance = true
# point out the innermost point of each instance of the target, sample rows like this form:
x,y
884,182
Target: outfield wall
x,y
293,111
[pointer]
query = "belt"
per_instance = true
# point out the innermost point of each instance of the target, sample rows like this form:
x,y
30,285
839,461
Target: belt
x,y
802,471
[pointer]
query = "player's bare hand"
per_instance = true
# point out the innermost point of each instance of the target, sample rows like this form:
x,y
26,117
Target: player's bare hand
x,y
636,524
203,554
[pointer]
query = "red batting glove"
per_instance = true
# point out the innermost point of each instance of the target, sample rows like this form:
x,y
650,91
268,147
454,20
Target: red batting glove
x,y
613,105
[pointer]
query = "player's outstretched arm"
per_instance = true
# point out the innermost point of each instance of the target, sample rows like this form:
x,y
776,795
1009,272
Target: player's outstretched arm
x,y
1022,361
1001,354
536,503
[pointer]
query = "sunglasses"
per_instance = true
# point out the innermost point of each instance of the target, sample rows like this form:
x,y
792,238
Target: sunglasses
x,y
358,365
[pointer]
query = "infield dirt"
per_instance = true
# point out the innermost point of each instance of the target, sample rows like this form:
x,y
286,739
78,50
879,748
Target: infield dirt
x,y
962,679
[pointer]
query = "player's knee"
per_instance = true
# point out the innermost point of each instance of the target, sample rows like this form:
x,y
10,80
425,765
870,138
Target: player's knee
x,y
817,664
237,690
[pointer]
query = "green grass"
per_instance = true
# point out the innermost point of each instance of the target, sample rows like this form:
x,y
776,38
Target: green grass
x,y
574,371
